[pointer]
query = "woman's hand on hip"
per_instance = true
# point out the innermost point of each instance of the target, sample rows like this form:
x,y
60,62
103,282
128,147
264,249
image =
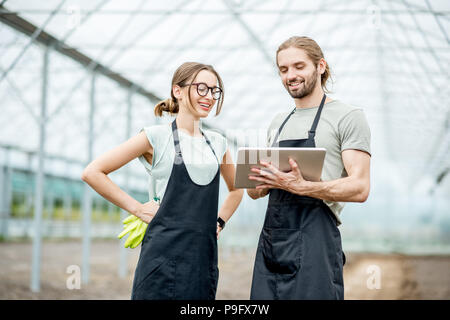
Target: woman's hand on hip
x,y
147,211
218,230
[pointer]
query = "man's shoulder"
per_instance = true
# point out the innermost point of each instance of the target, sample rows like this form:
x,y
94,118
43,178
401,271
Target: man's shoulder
x,y
341,106
339,110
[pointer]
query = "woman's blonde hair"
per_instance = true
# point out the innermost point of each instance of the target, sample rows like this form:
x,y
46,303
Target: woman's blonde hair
x,y
185,73
313,51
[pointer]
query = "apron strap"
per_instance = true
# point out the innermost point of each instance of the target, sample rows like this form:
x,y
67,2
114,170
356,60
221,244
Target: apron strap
x,y
209,144
312,131
176,141
281,127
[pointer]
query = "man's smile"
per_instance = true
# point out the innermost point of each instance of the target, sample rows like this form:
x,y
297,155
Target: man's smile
x,y
295,84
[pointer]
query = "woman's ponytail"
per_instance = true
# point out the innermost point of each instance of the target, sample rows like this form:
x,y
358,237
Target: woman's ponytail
x,y
169,105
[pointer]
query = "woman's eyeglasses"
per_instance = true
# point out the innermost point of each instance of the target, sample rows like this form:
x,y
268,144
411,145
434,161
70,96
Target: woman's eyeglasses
x,y
202,90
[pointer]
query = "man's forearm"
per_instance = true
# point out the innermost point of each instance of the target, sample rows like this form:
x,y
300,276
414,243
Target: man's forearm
x,y
345,189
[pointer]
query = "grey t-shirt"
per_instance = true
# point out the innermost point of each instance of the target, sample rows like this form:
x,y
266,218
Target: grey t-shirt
x,y
341,126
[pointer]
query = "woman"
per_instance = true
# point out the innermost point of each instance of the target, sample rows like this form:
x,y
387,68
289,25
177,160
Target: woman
x,y
178,258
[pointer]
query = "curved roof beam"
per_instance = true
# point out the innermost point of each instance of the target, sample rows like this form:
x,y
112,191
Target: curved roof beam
x,y
46,39
33,37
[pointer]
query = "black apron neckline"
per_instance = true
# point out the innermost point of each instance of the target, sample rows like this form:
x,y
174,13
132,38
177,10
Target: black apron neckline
x,y
178,160
312,130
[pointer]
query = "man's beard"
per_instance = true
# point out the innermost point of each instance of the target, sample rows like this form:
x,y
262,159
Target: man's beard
x,y
308,87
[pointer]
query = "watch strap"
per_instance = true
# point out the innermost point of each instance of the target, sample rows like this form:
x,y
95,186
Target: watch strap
x,y
221,222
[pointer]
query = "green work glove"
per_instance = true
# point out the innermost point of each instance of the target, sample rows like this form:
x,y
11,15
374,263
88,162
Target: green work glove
x,y
136,229
136,236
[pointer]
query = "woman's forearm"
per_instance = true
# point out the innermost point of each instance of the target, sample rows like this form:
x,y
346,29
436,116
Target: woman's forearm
x,y
102,184
230,204
257,193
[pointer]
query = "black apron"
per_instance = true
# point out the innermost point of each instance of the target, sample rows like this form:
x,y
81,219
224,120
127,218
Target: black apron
x,y
299,253
178,258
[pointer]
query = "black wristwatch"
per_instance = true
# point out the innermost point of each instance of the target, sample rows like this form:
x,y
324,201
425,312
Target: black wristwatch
x,y
221,222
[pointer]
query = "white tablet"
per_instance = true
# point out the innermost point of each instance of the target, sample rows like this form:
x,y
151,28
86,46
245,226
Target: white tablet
x,y
309,160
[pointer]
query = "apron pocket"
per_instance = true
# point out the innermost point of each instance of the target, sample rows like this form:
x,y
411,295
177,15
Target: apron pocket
x,y
156,280
281,250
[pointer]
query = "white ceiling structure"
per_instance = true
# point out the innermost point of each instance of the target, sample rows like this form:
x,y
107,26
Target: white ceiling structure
x,y
389,57
97,68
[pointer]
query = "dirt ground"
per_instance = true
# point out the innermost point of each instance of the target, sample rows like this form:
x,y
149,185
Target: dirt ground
x,y
366,276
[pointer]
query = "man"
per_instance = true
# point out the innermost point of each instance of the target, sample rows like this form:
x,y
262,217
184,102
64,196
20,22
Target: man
x,y
299,253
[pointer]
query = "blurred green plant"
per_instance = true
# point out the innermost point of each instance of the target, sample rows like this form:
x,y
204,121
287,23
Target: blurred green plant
x,y
102,210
